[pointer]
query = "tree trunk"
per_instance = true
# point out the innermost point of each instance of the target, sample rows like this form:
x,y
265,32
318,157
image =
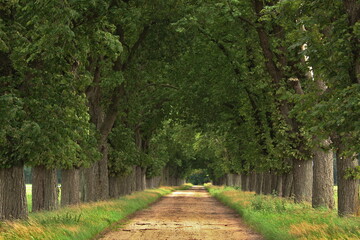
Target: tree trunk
x,y
165,181
247,183
115,186
172,180
132,180
348,189
253,179
87,183
138,178
70,187
44,189
303,180
259,183
129,183
157,180
229,179
243,181
279,185
237,180
323,182
267,183
97,180
288,185
150,183
274,178
102,175
124,185
13,204
143,178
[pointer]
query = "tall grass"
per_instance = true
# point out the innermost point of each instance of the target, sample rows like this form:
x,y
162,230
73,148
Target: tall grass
x,y
79,222
278,218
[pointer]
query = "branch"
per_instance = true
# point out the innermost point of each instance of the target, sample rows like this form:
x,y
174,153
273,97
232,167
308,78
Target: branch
x,y
121,66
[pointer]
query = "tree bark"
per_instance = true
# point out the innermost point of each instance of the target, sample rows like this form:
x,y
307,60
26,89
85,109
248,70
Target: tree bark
x,y
44,189
229,179
348,189
303,180
70,187
158,181
129,184
87,183
139,181
274,179
243,181
155,182
114,186
253,179
279,185
247,182
124,185
13,204
237,180
323,182
150,183
132,181
167,177
259,183
102,175
143,178
288,185
267,183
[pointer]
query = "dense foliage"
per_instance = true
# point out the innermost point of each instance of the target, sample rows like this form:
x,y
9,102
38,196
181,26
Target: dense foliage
x,y
233,87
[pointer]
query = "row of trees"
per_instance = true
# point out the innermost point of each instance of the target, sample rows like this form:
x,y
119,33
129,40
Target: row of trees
x,y
276,84
107,89
75,96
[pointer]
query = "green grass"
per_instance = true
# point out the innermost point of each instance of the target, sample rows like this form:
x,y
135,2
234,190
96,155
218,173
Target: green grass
x,y
29,196
79,222
278,218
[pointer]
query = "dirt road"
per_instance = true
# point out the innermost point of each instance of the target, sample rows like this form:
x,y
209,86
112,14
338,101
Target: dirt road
x,y
191,214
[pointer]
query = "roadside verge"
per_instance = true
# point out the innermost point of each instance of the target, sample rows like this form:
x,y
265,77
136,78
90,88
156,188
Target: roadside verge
x,y
80,222
278,218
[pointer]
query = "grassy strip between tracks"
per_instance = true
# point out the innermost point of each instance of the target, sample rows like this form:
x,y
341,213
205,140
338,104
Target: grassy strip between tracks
x,y
278,218
80,222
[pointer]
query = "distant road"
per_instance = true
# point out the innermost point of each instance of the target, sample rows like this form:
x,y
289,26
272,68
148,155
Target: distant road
x,y
189,214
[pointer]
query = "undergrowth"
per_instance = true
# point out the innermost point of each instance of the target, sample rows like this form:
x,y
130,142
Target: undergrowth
x,y
82,221
279,218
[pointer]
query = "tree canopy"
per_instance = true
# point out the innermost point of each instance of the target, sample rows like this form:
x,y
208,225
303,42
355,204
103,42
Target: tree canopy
x,y
230,86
